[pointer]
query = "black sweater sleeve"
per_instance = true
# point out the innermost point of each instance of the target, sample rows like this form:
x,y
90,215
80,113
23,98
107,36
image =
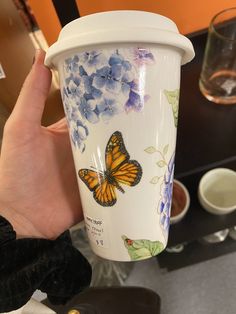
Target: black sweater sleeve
x,y
54,267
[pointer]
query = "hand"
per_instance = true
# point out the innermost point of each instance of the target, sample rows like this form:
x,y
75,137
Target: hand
x,y
38,188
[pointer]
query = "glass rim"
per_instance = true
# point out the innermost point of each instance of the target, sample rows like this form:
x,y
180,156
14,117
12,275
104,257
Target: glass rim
x,y
213,29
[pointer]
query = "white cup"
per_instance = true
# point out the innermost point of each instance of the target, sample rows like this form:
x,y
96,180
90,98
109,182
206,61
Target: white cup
x,y
120,76
217,191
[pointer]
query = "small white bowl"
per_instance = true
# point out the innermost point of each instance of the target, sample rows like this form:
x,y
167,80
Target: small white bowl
x,y
217,191
180,195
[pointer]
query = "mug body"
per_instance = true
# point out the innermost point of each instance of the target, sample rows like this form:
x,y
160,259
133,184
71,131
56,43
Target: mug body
x,y
121,105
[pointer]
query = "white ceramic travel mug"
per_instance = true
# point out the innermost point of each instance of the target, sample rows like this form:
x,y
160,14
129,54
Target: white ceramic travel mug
x,y
120,76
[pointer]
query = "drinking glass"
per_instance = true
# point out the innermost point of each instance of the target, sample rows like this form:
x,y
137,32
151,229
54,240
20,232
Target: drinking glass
x,y
218,76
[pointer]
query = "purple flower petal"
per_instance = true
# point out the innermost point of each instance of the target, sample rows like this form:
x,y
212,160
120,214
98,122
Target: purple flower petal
x,y
133,101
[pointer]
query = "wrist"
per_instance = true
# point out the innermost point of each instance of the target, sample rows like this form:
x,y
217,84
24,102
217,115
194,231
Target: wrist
x,y
21,225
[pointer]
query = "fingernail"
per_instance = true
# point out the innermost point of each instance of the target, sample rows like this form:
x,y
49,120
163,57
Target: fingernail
x,y
36,55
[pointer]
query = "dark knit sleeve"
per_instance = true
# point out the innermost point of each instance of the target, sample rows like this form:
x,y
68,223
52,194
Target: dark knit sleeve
x,y
54,267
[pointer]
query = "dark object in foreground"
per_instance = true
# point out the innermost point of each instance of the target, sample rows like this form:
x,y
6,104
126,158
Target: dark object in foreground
x,y
54,267
112,300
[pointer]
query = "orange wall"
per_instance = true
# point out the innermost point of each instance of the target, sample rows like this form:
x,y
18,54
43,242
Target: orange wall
x,y
47,19
190,16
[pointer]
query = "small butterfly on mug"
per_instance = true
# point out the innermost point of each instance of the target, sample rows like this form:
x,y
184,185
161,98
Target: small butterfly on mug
x,y
119,170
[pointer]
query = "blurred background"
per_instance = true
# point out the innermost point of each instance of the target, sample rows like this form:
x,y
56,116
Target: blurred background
x,y
197,273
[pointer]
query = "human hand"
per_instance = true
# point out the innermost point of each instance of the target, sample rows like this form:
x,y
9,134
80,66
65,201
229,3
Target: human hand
x,y
38,188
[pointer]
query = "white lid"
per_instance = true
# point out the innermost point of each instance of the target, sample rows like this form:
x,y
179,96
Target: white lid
x,y
119,27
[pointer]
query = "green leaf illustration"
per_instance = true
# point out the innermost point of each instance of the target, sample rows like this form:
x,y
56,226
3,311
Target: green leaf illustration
x,y
155,180
161,163
141,249
150,150
155,247
173,100
165,150
172,96
139,254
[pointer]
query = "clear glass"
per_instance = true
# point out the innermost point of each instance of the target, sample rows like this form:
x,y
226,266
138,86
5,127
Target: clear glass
x,y
218,76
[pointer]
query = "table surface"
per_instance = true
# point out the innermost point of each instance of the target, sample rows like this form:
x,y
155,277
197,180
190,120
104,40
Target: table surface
x,y
206,139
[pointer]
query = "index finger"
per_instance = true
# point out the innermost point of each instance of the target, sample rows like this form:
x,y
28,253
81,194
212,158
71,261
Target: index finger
x,y
31,101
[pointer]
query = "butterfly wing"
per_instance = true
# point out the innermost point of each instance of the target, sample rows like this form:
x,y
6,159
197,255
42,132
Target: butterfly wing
x,y
119,169
91,178
128,173
116,152
103,192
125,171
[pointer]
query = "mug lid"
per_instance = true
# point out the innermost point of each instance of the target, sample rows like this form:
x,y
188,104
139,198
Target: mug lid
x,y
119,27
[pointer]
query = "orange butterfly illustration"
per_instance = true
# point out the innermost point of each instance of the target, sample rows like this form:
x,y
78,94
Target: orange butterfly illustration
x,y
119,170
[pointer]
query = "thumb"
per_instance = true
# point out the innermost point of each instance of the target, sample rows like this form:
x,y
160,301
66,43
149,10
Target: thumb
x,y
31,101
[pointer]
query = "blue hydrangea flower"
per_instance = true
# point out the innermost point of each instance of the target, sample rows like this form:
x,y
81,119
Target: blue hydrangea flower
x,y
109,78
74,78
86,109
73,114
92,80
78,130
108,108
165,205
143,56
79,133
126,82
70,110
64,95
73,87
85,83
92,58
72,64
116,58
89,89
126,76
114,77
